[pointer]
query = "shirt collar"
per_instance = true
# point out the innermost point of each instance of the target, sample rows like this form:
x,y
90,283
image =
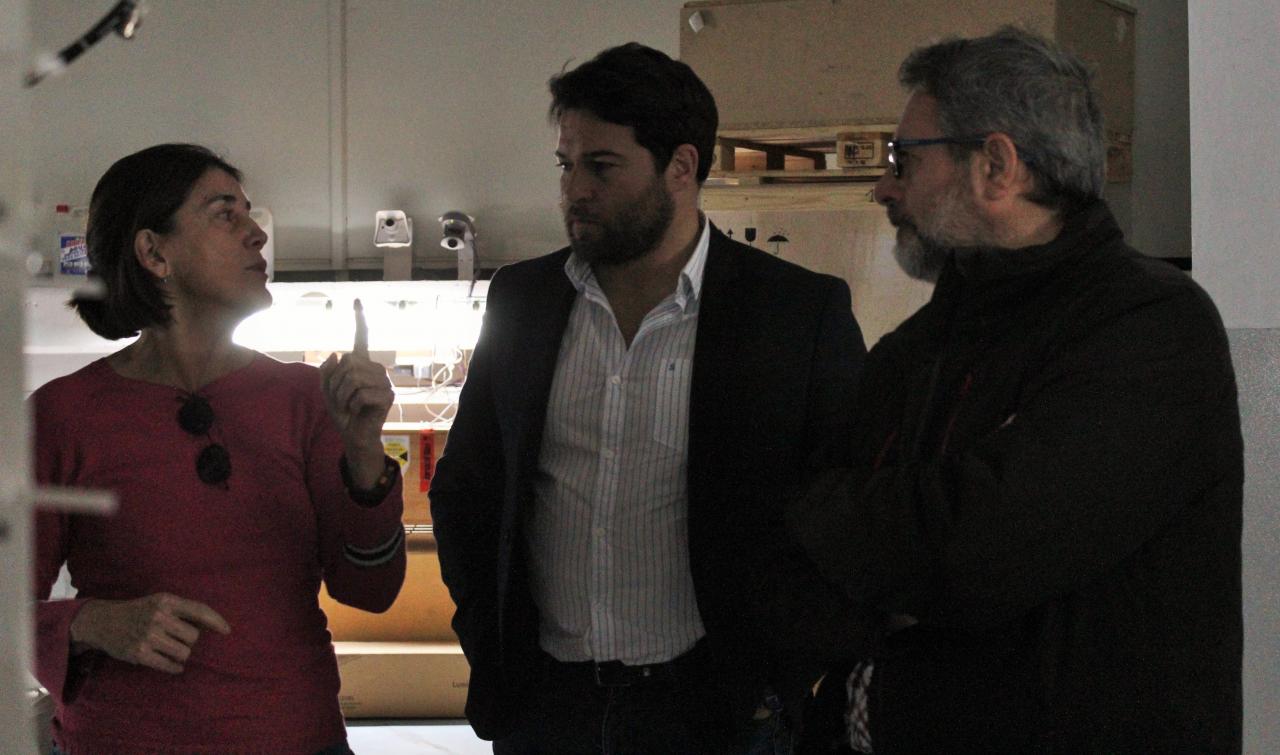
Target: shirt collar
x,y
688,287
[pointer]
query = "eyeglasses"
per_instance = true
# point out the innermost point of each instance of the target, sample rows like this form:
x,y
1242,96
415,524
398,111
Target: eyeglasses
x,y
897,148
213,465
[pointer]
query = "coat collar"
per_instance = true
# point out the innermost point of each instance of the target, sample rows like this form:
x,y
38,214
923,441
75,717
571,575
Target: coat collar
x,y
1089,227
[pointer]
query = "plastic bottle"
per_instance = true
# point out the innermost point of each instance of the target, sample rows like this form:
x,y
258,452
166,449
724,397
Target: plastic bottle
x,y
71,258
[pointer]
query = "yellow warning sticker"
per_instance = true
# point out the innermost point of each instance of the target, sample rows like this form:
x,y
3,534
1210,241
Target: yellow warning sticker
x,y
398,448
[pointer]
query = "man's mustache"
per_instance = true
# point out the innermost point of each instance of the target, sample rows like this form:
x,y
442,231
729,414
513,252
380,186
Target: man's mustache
x,y
580,214
898,219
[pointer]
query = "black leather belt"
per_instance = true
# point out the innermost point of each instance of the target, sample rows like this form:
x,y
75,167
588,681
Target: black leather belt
x,y
619,674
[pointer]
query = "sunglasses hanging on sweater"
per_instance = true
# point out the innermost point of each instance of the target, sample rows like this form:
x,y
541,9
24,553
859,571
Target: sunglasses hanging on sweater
x,y
213,465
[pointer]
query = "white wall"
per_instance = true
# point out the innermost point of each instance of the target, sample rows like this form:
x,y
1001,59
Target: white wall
x,y
469,131
1235,156
1235,224
247,79
336,109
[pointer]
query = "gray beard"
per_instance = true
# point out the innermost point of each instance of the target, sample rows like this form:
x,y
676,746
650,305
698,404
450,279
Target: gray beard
x,y
918,258
922,250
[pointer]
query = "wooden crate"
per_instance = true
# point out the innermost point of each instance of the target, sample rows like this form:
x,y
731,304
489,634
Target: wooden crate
x,y
788,63
766,156
798,169
1119,158
830,154
863,149
854,243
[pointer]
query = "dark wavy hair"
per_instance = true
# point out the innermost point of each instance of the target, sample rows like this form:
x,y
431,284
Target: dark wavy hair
x,y
140,192
662,99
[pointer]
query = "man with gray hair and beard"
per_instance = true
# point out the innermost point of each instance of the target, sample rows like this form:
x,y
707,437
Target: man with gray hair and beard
x,y
1043,497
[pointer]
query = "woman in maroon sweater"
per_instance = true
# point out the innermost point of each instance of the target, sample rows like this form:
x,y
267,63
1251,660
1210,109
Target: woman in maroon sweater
x,y
242,482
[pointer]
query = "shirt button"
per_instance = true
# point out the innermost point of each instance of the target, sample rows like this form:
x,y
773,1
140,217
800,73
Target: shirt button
x,y
599,532
607,453
615,380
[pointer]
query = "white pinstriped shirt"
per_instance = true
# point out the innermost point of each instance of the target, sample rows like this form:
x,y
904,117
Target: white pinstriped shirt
x,y
609,535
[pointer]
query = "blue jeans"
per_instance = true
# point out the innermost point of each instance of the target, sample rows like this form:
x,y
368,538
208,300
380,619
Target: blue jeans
x,y
765,736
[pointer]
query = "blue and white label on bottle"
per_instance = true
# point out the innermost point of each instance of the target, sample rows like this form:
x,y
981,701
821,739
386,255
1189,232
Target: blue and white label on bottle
x,y
73,254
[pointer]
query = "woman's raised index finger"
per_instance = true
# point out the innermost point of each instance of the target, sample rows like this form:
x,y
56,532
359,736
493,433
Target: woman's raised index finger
x,y
361,347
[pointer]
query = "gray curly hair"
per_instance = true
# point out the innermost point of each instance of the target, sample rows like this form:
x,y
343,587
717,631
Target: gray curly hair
x,y
1017,83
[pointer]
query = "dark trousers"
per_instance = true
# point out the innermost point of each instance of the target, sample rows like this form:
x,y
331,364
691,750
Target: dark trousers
x,y
825,731
582,709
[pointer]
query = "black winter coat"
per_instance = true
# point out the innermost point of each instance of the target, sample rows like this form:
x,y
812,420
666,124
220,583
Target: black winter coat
x,y
1047,475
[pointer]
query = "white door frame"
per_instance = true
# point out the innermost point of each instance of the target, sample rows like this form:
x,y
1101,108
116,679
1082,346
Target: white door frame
x,y
17,727
18,732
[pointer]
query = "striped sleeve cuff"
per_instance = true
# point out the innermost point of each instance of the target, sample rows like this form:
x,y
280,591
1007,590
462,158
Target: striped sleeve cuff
x,y
378,554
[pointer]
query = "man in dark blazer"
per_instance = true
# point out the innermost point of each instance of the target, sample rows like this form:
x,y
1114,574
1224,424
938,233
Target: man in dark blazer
x,y
635,410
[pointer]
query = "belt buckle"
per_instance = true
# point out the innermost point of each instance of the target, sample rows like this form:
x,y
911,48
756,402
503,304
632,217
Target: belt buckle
x,y
618,674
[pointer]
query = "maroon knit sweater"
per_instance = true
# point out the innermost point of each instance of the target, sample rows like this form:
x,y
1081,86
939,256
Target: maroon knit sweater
x,y
255,552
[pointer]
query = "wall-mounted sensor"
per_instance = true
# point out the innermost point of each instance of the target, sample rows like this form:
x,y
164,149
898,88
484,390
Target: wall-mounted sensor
x,y
392,228
459,235
458,229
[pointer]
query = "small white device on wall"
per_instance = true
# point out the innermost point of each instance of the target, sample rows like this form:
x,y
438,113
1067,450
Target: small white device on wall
x,y
392,228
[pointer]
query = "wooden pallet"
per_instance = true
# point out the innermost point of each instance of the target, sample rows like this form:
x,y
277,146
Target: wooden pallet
x,y
812,155
788,155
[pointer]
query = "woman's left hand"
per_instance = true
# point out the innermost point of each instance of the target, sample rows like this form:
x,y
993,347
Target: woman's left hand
x,y
359,396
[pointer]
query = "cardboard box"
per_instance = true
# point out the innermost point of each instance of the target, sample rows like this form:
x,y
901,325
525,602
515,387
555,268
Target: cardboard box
x,y
422,610
402,679
418,448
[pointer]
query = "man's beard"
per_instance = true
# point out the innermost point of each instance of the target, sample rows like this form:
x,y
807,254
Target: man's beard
x,y
922,247
633,232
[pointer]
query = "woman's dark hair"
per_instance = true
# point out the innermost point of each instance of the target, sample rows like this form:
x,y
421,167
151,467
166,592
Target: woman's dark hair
x,y
141,191
661,99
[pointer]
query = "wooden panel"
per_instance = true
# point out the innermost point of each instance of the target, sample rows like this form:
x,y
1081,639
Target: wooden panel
x,y
1102,35
817,153
794,197
774,63
853,244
